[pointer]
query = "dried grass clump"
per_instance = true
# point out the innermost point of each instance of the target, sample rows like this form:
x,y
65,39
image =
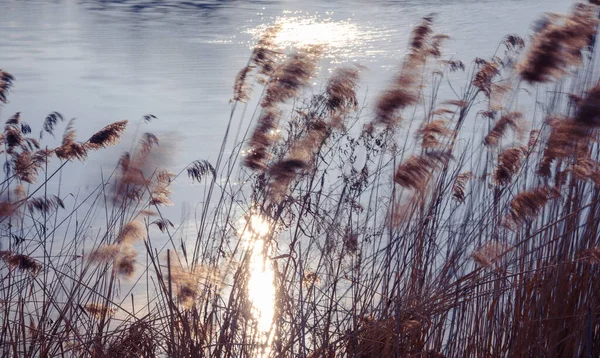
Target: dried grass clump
x,y
21,262
512,120
416,171
107,136
387,338
558,45
509,163
6,82
527,205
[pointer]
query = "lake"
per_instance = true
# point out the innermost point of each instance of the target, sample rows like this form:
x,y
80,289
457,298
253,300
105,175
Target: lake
x,y
103,61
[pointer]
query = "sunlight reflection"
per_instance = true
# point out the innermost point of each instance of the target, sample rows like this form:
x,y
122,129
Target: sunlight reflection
x,y
261,287
342,39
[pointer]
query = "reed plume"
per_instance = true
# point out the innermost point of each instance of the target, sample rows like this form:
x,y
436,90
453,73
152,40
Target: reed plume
x,y
70,149
105,253
241,88
512,120
527,205
6,82
588,110
291,76
558,45
262,138
416,171
131,232
509,163
21,262
50,122
459,187
98,310
264,54
124,264
404,90
45,204
433,132
341,89
107,136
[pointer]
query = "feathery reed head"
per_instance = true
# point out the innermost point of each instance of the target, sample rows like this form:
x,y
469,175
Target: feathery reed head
x,y
341,89
6,82
291,76
509,163
107,136
526,205
416,171
558,45
21,262
132,232
512,120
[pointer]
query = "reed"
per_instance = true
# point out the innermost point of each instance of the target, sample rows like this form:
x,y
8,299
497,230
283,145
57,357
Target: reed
x,y
324,230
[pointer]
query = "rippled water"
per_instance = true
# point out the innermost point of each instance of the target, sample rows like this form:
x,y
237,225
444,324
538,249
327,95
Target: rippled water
x,y
102,61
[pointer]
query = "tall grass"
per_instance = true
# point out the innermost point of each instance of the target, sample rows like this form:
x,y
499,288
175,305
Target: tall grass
x,y
429,226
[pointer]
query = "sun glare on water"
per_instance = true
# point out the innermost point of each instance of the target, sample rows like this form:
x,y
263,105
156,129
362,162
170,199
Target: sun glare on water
x,y
342,39
261,287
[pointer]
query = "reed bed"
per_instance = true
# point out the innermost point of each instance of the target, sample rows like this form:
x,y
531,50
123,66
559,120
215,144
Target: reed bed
x,y
465,226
